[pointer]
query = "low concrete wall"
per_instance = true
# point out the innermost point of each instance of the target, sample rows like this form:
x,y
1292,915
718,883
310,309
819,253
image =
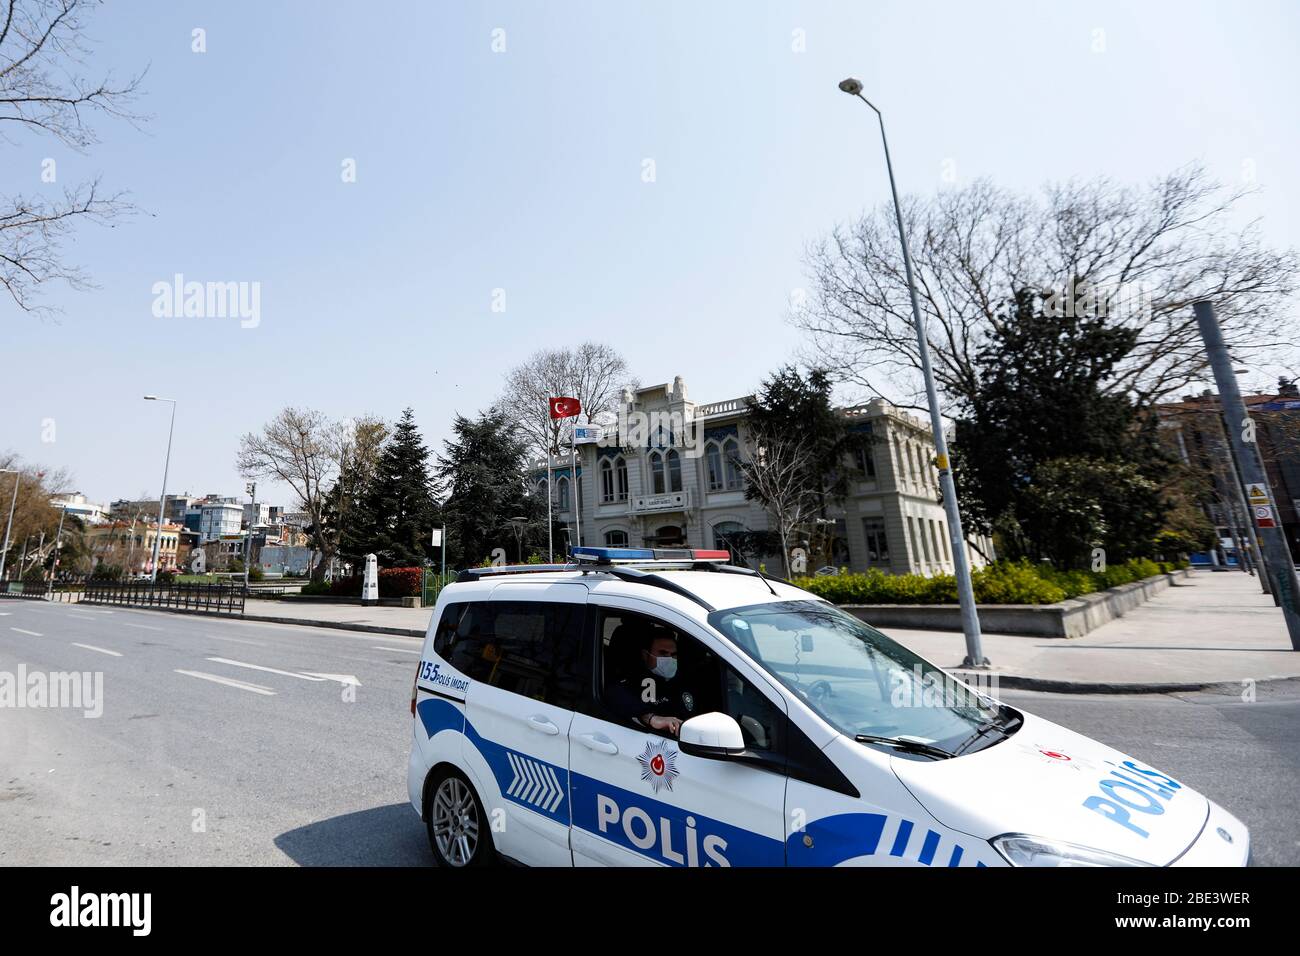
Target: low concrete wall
x,y
1072,618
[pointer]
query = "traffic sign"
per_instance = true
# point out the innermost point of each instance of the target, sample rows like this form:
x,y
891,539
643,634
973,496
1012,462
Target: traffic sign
x,y
1264,516
1257,494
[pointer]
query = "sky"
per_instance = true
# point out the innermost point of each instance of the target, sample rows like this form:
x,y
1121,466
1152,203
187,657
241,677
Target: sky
x,y
517,177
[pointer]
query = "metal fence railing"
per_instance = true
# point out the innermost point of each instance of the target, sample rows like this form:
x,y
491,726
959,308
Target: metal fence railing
x,y
32,590
202,598
432,584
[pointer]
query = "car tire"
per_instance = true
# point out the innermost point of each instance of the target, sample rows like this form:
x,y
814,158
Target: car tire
x,y
460,835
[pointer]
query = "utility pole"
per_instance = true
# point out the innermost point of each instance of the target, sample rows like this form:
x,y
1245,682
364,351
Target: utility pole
x,y
1279,566
8,526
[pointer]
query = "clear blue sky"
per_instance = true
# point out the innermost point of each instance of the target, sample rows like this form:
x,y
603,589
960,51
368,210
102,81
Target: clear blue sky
x,y
522,171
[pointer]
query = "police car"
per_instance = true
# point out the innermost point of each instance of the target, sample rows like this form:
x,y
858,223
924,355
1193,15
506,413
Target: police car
x,y
785,732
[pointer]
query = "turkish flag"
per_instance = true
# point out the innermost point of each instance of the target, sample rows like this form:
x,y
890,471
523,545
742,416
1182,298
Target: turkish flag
x,y
565,407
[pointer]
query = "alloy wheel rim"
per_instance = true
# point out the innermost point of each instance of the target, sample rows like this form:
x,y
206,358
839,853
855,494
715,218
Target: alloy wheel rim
x,y
455,822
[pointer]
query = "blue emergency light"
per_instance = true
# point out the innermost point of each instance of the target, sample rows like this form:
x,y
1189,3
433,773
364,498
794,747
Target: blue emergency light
x,y
613,555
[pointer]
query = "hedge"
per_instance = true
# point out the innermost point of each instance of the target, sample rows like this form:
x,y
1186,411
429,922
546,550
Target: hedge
x,y
393,582
1005,582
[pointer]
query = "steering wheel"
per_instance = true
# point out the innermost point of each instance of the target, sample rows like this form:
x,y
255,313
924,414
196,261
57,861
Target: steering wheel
x,y
820,690
817,691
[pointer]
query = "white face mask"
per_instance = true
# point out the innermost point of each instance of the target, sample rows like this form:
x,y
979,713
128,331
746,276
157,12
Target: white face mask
x,y
665,667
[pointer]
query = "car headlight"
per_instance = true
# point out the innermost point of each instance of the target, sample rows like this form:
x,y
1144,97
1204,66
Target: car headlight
x,y
1020,849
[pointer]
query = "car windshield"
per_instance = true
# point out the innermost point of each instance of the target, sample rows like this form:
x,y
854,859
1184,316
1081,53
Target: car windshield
x,y
857,679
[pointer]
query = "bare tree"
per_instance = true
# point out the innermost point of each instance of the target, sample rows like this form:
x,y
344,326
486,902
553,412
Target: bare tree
x,y
43,90
1141,256
776,474
302,448
593,373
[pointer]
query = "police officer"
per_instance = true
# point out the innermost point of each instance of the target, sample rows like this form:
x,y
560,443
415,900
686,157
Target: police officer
x,y
655,697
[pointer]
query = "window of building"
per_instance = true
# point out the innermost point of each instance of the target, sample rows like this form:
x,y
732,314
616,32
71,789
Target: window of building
x,y
616,539
867,461
911,533
731,464
606,481
673,461
620,478
873,530
725,536
562,494
934,538
657,482
713,466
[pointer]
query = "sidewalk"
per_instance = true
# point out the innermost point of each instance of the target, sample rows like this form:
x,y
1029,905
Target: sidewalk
x,y
406,621
1214,628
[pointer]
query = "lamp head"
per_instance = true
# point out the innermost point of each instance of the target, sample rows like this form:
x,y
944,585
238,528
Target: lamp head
x,y
851,86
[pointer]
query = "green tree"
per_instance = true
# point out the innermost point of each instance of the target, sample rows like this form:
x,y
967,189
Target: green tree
x,y
483,484
801,452
399,510
1049,458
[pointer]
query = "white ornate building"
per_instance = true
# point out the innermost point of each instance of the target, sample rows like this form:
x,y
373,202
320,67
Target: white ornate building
x,y
671,483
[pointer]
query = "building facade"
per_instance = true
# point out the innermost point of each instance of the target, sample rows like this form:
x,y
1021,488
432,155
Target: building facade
x,y
129,545
1195,424
670,480
75,504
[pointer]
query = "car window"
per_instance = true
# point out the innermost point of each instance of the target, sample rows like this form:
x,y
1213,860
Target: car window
x,y
525,647
627,689
703,684
761,722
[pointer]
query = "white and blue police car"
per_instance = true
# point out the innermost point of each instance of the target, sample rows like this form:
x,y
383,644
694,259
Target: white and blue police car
x,y
802,737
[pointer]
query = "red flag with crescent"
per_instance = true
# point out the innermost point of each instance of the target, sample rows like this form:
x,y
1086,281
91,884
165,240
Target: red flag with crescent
x,y
565,407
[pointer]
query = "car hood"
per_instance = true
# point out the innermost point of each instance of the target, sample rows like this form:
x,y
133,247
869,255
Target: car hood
x,y
1047,781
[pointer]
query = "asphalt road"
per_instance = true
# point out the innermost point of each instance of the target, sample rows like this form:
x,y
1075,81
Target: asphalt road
x,y
230,742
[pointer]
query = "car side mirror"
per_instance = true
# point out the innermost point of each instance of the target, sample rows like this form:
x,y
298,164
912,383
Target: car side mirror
x,y
715,736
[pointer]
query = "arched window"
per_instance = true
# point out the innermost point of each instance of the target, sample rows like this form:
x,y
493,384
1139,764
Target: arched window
x,y
713,466
620,478
731,464
674,462
616,539
657,482
726,535
562,494
606,481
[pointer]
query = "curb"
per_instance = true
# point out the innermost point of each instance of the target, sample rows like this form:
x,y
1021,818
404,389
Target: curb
x,y
335,625
269,619
1048,685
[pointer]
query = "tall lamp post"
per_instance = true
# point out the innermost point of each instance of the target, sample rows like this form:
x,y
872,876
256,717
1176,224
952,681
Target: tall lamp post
x,y
162,497
970,622
4,554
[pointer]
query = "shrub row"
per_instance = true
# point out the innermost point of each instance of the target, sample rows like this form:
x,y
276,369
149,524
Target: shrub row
x,y
1005,582
393,582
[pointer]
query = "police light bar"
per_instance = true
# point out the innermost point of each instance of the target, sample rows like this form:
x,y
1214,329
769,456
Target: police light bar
x,y
592,555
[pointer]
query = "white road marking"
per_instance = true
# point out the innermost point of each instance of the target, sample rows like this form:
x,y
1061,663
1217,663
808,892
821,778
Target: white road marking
x,y
5,613
341,678
259,667
254,688
84,617
400,650
102,650
29,633
143,627
236,640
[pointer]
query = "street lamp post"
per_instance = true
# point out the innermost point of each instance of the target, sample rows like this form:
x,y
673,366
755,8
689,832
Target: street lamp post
x,y
4,554
162,497
518,523
970,622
